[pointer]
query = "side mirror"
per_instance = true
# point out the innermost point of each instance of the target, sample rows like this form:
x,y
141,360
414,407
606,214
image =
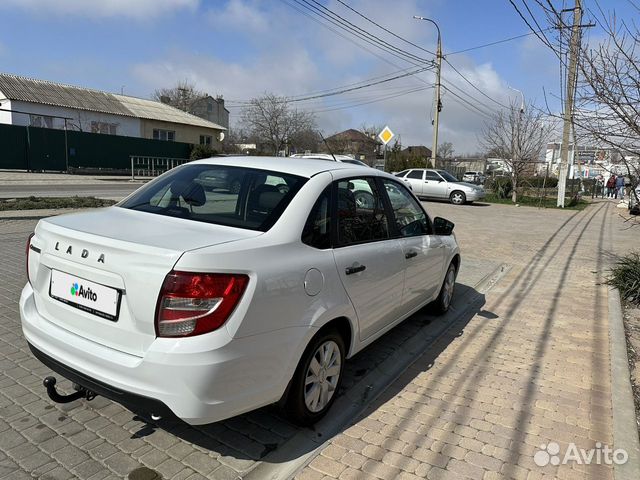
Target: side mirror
x,y
442,226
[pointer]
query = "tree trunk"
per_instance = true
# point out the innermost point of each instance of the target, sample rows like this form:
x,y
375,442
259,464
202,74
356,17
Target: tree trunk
x,y
514,192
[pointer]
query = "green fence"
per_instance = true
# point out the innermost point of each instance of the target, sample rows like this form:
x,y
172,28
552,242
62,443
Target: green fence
x,y
32,148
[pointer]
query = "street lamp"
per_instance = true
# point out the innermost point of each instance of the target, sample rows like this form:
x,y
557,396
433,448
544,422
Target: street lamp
x,y
438,105
522,94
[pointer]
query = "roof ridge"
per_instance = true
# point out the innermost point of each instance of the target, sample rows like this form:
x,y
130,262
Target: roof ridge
x,y
51,82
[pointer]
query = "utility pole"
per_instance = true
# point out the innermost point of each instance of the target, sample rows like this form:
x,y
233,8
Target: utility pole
x,y
568,104
438,103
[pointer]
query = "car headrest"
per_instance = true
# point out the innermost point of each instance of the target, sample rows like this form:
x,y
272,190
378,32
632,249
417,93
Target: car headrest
x,y
269,200
192,193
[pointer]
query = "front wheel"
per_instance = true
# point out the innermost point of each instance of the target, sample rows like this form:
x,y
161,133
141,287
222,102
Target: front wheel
x,y
458,197
316,380
443,302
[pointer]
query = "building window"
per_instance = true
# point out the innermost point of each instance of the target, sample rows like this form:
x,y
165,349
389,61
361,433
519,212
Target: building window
x,y
160,134
42,121
205,139
104,127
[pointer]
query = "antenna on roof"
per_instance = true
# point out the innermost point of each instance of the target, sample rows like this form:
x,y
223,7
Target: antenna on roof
x,y
327,145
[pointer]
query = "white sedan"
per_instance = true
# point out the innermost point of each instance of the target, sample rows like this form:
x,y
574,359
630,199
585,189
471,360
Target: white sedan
x,y
205,304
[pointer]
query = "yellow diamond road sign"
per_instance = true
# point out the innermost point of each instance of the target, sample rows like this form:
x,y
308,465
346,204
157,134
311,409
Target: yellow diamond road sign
x,y
386,135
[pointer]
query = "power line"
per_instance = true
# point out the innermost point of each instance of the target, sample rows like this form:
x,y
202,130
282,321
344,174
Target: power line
x,y
383,28
364,35
473,108
497,42
473,85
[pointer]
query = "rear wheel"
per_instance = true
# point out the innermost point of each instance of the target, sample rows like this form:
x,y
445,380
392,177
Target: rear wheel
x,y
458,197
316,381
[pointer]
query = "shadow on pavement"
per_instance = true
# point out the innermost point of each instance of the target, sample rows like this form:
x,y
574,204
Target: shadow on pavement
x,y
254,435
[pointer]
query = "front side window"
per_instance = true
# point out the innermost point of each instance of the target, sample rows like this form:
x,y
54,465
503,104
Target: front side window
x,y
447,176
219,194
416,174
408,216
361,216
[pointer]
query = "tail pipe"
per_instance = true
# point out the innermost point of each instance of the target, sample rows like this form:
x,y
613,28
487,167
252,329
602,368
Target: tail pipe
x,y
80,392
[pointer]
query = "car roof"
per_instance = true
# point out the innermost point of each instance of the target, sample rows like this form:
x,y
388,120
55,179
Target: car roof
x,y
302,167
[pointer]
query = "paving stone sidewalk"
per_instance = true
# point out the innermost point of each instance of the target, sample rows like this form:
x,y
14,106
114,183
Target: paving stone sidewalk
x,y
529,370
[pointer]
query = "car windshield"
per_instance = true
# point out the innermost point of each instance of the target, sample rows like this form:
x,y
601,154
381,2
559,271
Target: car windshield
x,y
218,194
447,176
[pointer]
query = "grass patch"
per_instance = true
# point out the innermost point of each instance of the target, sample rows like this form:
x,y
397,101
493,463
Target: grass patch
x,y
35,203
625,276
544,202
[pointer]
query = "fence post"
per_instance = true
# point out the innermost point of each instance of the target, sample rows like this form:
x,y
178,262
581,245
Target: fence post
x,y
133,175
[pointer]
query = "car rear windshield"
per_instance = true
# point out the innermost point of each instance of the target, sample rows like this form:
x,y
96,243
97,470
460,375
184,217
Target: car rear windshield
x,y
223,195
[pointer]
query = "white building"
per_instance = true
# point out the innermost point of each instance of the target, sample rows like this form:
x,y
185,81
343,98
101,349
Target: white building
x,y
40,103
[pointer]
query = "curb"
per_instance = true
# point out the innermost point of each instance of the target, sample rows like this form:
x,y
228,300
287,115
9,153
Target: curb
x,y
285,462
35,214
625,425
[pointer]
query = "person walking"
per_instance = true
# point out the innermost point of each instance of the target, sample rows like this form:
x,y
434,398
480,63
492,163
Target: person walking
x,y
611,185
620,187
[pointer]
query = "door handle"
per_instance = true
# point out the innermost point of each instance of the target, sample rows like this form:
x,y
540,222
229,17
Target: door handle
x,y
410,254
352,270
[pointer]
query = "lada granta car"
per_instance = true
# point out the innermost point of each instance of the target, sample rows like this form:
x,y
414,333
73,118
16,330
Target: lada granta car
x,y
205,303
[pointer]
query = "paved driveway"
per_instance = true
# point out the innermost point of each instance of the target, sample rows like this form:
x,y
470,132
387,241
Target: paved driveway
x,y
100,439
529,376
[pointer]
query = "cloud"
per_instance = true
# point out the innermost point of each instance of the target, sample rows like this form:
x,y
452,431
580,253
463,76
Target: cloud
x,y
240,15
137,9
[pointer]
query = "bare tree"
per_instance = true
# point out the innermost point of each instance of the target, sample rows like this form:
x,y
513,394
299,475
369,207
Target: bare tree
x,y
608,103
273,121
184,95
445,150
519,138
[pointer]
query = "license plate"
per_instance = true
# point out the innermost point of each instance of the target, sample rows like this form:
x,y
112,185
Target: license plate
x,y
85,295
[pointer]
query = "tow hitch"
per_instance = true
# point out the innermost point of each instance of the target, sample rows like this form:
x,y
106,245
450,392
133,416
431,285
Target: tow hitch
x,y
81,392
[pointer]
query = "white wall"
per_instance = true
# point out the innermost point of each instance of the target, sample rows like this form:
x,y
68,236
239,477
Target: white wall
x,y
5,117
126,126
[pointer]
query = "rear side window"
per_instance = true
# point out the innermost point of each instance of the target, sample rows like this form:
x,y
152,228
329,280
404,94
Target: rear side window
x,y
219,194
317,230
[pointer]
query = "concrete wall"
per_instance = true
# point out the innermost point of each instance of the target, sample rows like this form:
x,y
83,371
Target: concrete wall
x,y
126,126
184,133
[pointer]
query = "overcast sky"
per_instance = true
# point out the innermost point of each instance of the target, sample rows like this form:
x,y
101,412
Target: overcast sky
x,y
242,48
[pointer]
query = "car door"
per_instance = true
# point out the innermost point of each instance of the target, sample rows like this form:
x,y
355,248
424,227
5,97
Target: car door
x,y
424,253
434,185
370,262
416,179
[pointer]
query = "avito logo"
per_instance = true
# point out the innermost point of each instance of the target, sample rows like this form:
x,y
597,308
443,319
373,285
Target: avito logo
x,y
80,291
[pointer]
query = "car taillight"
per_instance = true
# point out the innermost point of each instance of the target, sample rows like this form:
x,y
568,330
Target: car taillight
x,y
196,303
27,255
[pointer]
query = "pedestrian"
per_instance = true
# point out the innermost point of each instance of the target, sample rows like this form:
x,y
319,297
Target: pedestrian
x,y
598,187
620,187
611,185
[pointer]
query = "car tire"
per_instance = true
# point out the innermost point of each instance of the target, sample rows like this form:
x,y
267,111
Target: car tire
x,y
303,406
443,302
458,198
364,200
234,187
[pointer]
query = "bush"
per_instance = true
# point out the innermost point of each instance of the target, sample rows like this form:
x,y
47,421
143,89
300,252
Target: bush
x,y
539,182
625,276
202,151
501,186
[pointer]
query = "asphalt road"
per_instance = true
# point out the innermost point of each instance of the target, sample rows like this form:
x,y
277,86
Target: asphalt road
x,y
109,190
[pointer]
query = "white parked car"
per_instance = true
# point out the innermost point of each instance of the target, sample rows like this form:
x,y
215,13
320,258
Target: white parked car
x,y
207,303
474,177
440,184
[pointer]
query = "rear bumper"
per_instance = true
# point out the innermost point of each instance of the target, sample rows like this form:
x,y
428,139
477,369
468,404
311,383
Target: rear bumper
x,y
134,402
200,379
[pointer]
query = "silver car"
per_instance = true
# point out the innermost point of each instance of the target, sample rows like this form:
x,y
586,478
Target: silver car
x,y
441,185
